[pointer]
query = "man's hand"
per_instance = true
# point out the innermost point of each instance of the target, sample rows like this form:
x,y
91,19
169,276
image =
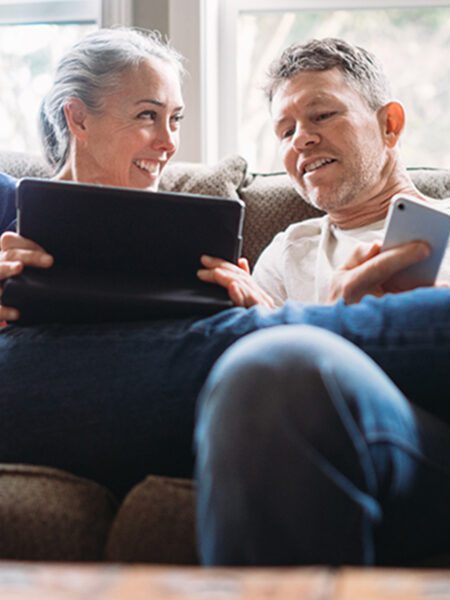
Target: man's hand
x,y
242,288
370,271
16,252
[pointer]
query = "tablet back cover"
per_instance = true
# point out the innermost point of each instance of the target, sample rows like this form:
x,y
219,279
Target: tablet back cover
x,y
120,253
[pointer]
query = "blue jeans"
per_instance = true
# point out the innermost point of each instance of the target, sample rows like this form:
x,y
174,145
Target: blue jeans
x,y
308,453
115,402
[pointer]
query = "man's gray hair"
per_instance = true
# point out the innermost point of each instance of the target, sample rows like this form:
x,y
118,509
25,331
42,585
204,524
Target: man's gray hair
x,y
89,71
361,68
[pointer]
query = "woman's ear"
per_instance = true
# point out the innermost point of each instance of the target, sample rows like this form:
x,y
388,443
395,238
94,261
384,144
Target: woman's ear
x,y
75,112
392,122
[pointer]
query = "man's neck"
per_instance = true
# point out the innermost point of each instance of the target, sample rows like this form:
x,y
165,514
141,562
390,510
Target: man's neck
x,y
373,207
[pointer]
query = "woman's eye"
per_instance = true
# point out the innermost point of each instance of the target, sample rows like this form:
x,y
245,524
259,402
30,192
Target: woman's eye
x,y
147,114
177,118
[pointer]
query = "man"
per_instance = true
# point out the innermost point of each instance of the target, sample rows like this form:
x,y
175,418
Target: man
x,y
308,451
338,133
116,401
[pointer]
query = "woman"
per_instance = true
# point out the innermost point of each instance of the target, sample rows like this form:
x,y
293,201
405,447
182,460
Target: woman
x,y
111,117
104,401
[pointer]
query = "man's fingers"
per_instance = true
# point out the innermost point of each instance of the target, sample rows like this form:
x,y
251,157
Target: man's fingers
x,y
236,295
211,262
243,264
392,261
361,254
382,267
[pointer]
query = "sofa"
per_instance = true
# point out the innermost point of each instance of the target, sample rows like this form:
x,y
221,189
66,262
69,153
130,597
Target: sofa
x,y
49,514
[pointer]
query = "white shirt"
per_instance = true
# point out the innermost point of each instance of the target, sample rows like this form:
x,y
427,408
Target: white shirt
x,y
299,263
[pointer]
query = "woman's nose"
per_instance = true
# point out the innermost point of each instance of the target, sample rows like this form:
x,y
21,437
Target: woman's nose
x,y
167,139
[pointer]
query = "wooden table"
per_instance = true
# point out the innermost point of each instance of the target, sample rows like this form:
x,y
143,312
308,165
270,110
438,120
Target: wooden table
x,y
111,582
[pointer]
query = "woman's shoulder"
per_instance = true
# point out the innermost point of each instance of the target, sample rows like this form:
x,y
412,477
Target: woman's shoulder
x,y
7,201
7,182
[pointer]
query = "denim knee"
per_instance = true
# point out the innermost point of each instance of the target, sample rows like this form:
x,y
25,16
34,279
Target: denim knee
x,y
269,437
276,382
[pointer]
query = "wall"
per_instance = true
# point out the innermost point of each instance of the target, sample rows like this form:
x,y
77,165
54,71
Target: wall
x,y
152,15
184,33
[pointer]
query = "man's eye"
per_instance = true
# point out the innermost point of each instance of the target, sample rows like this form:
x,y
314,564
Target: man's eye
x,y
147,114
324,116
288,133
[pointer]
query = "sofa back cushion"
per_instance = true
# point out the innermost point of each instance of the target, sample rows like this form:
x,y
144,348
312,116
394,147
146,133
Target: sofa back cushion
x,y
271,203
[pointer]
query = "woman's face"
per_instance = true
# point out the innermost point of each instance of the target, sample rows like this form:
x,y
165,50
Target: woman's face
x,y
129,142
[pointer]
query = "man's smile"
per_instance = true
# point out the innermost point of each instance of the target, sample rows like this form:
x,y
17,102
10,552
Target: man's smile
x,y
311,165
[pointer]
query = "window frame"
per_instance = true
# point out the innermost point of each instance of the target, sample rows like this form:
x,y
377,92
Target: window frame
x,y
103,12
209,44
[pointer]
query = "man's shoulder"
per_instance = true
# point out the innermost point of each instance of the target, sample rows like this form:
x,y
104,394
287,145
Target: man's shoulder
x,y
443,203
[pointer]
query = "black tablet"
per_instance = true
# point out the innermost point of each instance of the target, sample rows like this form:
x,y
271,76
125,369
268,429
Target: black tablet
x,y
120,253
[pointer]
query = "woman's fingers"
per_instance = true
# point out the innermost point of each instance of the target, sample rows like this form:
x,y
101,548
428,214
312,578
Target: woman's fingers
x,y
15,248
30,258
10,268
8,314
10,239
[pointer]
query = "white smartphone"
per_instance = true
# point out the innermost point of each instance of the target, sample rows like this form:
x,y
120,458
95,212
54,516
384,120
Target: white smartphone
x,y
409,220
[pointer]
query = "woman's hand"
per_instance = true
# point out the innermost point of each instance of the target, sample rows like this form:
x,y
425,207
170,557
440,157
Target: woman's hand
x,y
242,288
370,271
16,252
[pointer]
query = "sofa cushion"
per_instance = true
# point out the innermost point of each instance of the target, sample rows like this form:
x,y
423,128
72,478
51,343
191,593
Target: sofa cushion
x,y
222,179
20,164
271,205
434,183
155,523
49,514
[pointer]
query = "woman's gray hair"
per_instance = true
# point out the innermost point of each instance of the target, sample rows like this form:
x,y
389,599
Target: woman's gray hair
x,y
89,71
361,68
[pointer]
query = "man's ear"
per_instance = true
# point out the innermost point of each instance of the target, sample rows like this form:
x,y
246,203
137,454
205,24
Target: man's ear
x,y
75,112
392,122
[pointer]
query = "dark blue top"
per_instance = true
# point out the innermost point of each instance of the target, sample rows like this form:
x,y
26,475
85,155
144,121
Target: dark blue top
x,y
7,203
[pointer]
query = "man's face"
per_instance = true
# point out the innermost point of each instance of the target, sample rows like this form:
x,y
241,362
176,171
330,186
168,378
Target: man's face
x,y
331,141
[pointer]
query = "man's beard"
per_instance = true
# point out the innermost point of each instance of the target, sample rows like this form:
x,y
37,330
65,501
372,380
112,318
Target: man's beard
x,y
342,192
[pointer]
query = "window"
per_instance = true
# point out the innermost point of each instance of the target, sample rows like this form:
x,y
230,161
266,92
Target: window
x,y
33,37
411,37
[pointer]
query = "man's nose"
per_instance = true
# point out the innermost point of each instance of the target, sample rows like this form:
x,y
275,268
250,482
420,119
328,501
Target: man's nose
x,y
304,137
